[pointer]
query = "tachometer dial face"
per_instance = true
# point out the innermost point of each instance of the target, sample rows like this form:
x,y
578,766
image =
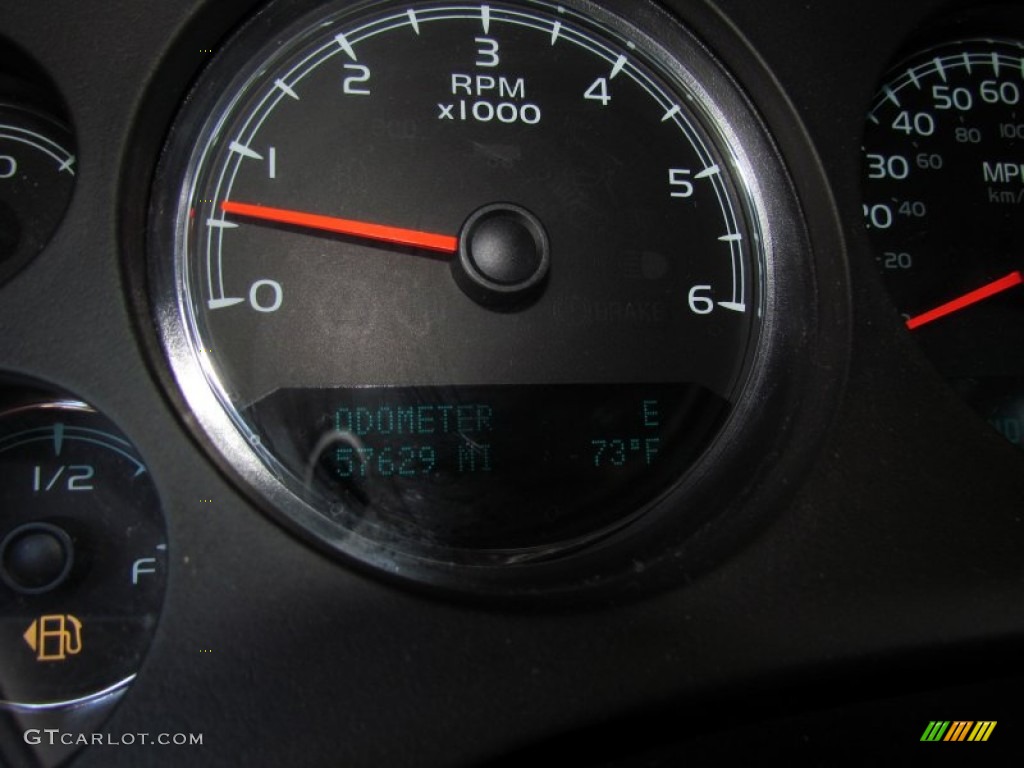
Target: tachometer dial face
x,y
944,207
462,282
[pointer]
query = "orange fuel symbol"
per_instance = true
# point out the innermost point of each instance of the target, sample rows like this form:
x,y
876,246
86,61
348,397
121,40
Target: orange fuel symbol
x,y
54,637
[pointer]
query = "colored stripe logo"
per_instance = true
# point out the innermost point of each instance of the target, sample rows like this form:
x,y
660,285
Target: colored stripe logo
x,y
958,730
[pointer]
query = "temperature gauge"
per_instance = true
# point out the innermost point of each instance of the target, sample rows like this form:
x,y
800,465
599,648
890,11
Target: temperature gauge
x,y
37,177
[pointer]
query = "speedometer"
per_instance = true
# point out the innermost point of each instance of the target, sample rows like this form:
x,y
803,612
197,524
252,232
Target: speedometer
x,y
943,189
471,284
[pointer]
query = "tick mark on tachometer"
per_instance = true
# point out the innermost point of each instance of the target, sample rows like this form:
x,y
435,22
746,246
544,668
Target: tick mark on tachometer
x,y
287,89
224,303
244,151
556,29
346,46
620,64
734,306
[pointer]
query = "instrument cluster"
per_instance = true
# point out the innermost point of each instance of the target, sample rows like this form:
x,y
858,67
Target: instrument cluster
x,y
572,359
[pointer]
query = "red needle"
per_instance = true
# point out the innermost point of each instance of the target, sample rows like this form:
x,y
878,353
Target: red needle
x,y
986,291
364,229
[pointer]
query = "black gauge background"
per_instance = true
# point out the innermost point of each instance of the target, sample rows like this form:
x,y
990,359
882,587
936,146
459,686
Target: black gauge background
x,y
886,589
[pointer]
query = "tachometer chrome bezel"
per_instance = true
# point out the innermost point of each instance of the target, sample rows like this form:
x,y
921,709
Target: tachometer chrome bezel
x,y
707,509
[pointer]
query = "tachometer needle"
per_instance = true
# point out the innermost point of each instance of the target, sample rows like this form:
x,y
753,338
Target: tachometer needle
x,y
1012,280
364,229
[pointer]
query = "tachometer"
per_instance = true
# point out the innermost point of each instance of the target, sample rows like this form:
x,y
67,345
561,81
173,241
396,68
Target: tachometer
x,y
465,283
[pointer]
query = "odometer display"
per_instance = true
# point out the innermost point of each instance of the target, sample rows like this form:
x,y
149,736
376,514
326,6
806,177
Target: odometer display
x,y
491,466
465,282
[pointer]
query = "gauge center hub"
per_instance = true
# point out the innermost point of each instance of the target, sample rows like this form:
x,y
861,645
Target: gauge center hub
x,y
35,558
504,256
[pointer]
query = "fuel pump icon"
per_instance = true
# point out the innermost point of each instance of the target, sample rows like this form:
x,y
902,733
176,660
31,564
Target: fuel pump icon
x,y
54,637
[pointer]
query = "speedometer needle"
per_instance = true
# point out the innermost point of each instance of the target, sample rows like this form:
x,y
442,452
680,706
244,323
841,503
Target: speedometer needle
x,y
973,297
363,229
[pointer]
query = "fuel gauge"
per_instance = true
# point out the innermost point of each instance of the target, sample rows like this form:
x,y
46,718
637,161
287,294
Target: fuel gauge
x,y
83,556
